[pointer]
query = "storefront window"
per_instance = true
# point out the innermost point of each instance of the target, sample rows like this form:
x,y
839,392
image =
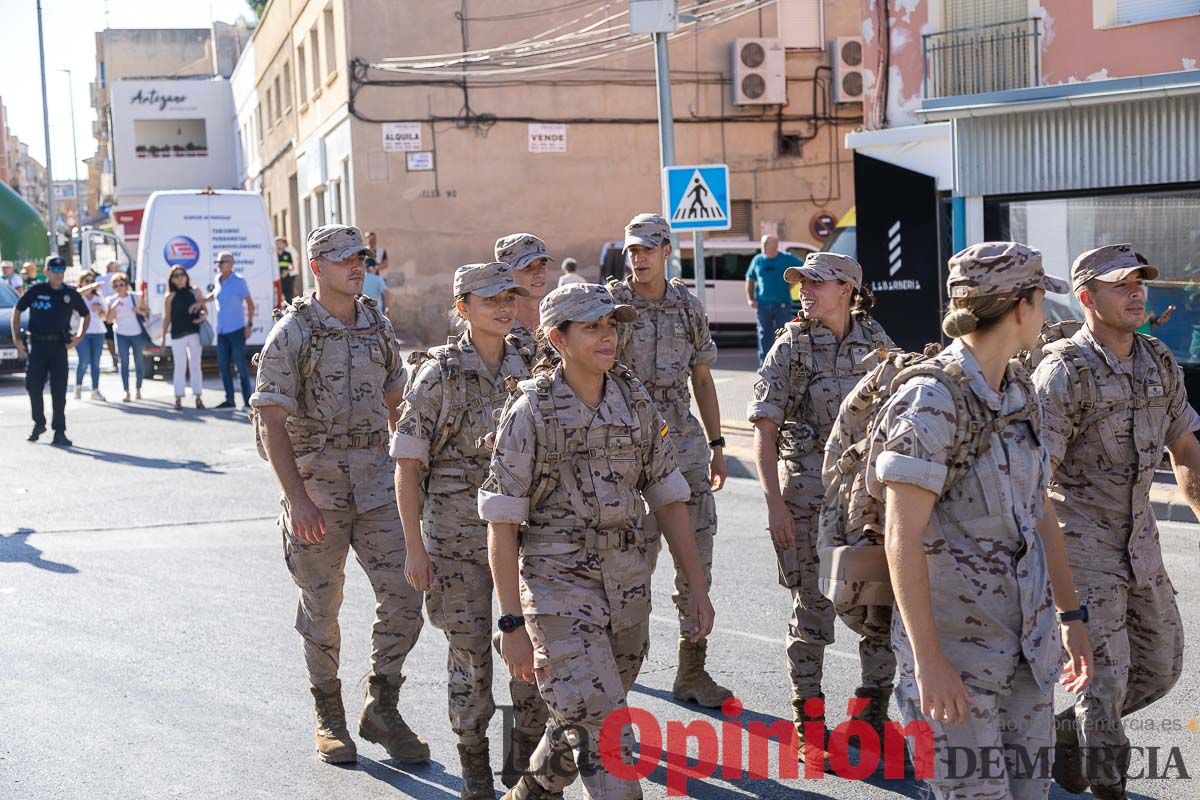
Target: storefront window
x,y
1162,226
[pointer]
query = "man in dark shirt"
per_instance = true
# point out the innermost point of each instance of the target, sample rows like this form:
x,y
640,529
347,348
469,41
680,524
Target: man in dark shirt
x,y
50,306
287,269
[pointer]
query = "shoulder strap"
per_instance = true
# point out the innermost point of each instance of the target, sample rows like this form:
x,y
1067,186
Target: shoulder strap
x,y
550,438
639,400
453,396
802,368
1166,363
689,312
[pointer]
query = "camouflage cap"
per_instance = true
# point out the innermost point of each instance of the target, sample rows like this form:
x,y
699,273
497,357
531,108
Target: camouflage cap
x,y
648,230
519,250
485,280
826,267
1109,263
337,243
999,268
582,302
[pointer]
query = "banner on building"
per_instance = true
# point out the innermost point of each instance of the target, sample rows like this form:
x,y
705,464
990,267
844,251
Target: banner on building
x,y
401,137
547,137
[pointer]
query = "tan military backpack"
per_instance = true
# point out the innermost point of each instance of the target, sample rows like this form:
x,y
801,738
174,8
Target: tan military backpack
x,y
854,572
314,335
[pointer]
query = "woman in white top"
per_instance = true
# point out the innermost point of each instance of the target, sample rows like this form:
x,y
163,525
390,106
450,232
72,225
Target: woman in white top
x,y
127,310
91,346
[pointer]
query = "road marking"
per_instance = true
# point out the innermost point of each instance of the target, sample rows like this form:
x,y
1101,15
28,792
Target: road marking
x,y
755,636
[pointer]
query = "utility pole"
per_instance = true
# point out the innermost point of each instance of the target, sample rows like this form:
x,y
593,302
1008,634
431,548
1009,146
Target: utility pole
x,y
46,130
74,154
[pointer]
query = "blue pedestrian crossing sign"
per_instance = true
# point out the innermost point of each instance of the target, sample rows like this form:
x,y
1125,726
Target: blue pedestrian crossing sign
x,y
697,197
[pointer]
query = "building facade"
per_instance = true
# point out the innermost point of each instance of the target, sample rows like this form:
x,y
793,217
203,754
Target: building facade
x,y
439,164
161,64
1036,122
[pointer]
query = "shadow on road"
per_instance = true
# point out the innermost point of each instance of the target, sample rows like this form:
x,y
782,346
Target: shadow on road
x,y
15,548
147,463
408,780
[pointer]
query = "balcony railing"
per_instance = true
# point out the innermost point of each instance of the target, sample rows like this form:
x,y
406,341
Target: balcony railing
x,y
989,58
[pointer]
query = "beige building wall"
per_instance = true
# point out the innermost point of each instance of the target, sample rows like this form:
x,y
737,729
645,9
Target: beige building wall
x,y
487,183
277,103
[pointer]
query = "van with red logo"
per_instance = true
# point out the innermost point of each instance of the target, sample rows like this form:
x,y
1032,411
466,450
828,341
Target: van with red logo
x,y
188,228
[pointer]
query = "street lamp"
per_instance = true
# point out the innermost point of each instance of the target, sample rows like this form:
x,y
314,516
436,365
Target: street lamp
x,y
74,151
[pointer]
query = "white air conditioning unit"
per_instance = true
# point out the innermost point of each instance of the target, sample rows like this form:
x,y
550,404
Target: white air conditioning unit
x,y
758,72
848,69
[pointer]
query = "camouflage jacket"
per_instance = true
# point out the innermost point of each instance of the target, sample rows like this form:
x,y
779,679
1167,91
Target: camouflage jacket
x,y
1104,456
669,337
582,555
800,386
333,380
459,397
990,585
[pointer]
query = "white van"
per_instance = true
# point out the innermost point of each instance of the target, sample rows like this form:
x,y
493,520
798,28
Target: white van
x,y
726,262
188,228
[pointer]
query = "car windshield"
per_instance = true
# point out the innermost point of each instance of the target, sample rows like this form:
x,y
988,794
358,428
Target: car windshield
x,y
8,298
844,242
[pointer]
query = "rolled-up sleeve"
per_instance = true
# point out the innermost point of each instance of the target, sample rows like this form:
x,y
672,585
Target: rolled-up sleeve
x,y
419,415
277,383
1053,384
705,351
773,384
504,495
661,481
913,443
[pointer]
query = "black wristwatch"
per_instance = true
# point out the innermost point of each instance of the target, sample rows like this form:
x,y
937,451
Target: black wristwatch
x,y
718,442
509,623
1080,614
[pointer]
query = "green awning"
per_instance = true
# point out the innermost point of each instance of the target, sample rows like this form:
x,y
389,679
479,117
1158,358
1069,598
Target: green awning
x,y
23,235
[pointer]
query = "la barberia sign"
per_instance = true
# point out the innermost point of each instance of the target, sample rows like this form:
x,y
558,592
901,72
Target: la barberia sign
x,y
157,99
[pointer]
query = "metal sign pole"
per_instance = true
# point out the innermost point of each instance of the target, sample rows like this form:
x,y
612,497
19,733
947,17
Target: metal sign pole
x,y
666,134
701,272
46,130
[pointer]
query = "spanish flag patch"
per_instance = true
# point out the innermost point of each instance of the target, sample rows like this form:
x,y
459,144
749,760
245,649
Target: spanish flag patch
x,y
663,431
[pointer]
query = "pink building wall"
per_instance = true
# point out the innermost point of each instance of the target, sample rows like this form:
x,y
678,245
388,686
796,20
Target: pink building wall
x,y
1072,49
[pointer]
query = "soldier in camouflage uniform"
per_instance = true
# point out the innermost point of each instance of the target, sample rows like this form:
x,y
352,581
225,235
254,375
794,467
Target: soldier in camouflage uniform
x,y
813,365
1112,400
972,545
329,381
527,255
667,344
449,409
577,452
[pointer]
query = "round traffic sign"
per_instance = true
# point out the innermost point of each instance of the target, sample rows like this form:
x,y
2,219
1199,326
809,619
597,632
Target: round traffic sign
x,y
823,224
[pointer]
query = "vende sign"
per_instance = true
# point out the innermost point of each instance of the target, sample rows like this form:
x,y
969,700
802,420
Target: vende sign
x,y
547,138
401,137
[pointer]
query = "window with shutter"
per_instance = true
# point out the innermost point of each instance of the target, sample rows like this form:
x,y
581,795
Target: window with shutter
x,y
801,24
741,219
1129,12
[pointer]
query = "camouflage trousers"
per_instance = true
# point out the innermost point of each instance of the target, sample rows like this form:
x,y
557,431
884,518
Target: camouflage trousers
x,y
460,605
1137,645
702,510
1004,750
319,570
584,674
810,627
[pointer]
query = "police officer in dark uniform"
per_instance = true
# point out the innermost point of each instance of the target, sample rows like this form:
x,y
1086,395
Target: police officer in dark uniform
x,y
50,305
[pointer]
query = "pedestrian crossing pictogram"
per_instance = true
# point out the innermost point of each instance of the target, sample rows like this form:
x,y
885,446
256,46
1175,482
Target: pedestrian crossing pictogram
x,y
697,197
698,202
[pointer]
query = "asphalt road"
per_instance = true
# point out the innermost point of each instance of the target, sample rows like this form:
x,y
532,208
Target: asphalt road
x,y
147,647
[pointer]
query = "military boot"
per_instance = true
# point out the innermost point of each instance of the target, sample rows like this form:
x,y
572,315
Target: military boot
x,y
529,789
334,745
476,771
382,724
520,749
1067,769
810,751
875,712
1109,793
692,682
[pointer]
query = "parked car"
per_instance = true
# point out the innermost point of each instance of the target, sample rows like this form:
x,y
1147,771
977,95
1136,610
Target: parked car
x,y
11,359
